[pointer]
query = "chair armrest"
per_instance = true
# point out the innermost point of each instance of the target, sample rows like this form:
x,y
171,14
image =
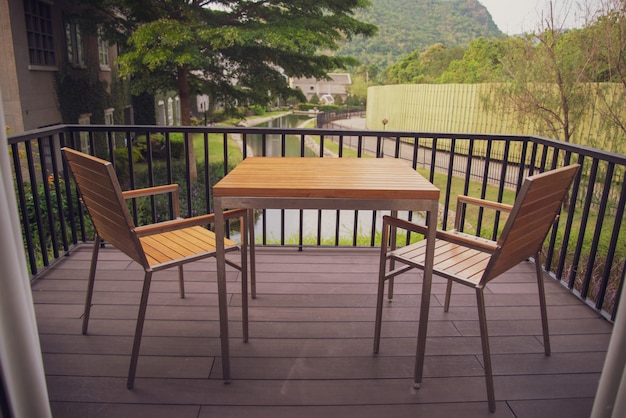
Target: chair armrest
x,y
181,223
468,200
150,191
454,236
484,203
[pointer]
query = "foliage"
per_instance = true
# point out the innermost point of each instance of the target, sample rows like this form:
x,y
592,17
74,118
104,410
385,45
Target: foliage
x,y
481,63
159,145
122,166
50,215
424,67
409,25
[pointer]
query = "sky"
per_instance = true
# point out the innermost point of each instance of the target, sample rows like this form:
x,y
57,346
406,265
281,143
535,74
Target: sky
x,y
518,16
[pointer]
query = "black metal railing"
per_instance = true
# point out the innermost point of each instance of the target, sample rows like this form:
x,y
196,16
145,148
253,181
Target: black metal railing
x,y
585,251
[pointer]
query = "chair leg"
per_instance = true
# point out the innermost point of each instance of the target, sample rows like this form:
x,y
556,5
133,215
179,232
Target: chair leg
x,y
381,288
139,329
446,305
484,338
181,281
542,306
90,282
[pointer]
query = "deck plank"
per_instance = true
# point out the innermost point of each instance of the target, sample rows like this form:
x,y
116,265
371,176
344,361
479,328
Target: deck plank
x,y
310,348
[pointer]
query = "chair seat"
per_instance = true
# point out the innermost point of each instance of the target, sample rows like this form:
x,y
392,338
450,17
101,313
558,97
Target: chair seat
x,y
181,245
452,261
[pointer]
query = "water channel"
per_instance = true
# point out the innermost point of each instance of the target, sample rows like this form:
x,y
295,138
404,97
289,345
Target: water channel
x,y
330,223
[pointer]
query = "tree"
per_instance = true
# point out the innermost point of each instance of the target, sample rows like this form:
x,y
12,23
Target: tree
x,y
481,63
237,51
605,43
543,72
424,67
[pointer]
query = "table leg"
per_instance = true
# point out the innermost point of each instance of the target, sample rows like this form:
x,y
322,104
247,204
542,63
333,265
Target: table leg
x,y
221,287
426,288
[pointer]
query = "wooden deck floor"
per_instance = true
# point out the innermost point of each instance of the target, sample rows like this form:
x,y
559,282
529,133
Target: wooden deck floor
x,y
310,353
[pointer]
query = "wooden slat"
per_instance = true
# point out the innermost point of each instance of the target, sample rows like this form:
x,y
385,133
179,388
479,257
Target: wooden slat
x,y
349,178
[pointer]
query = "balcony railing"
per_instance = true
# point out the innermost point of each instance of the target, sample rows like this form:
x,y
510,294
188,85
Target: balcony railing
x,y
585,251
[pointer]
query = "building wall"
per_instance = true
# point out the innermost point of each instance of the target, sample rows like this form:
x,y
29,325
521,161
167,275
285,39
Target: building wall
x,y
29,91
338,85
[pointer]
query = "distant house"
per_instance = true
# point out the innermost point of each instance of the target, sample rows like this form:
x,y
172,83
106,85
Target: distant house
x,y
39,44
336,86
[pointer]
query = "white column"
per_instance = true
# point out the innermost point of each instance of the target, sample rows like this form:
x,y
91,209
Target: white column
x,y
610,399
20,352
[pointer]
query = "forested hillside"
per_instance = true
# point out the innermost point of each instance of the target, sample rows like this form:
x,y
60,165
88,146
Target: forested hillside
x,y
406,25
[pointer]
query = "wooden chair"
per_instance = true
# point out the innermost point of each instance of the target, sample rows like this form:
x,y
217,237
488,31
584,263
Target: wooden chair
x,y
155,247
474,261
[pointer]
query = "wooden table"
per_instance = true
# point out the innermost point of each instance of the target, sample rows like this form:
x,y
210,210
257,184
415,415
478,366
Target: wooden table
x,y
323,183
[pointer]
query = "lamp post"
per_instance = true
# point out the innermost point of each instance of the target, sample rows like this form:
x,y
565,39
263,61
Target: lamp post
x,y
382,145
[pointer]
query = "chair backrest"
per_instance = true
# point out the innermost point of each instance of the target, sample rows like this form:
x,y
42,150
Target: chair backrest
x,y
102,196
537,205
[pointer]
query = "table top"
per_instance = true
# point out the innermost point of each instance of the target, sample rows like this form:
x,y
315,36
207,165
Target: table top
x,y
333,178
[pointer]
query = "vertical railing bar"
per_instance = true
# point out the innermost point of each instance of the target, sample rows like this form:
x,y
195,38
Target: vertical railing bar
x,y
570,219
111,144
610,255
504,166
170,174
446,203
583,224
188,141
533,158
153,212
521,172
37,206
483,189
340,146
598,229
468,175
283,153
28,233
131,178
283,144
57,187
207,173
396,153
75,143
414,163
92,142
48,198
301,211
68,193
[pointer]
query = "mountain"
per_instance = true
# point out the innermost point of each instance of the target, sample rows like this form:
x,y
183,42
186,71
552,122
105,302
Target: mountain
x,y
406,25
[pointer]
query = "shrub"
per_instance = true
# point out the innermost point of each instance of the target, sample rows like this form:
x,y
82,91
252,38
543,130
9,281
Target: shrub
x,y
122,167
158,145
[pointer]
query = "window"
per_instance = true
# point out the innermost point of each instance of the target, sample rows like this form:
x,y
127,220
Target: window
x,y
108,116
103,50
39,33
74,42
85,144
